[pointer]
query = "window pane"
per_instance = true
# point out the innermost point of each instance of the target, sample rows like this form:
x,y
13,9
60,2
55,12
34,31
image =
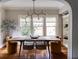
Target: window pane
x,y
50,19
38,24
51,31
50,24
38,31
25,30
25,21
36,20
25,25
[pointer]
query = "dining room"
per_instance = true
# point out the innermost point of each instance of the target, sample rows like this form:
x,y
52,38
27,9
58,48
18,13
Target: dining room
x,y
34,29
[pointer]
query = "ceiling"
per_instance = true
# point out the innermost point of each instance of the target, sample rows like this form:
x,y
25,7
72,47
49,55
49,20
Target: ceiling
x,y
28,3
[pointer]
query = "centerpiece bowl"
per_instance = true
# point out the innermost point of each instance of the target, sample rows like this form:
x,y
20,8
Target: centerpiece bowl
x,y
34,37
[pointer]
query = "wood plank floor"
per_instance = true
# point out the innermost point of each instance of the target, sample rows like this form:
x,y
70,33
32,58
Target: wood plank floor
x,y
43,54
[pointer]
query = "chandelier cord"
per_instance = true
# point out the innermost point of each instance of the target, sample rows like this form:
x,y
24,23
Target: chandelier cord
x,y
34,11
33,6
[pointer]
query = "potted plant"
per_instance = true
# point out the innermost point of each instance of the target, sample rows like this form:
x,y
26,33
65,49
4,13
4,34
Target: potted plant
x,y
7,26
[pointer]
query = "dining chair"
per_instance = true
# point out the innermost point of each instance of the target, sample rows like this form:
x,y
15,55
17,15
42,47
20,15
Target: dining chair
x,y
41,47
11,46
29,46
56,47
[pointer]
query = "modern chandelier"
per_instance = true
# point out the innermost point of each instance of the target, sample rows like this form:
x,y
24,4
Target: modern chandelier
x,y
40,12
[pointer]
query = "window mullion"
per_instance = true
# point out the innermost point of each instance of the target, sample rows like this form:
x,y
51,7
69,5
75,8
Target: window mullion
x,y
44,26
31,25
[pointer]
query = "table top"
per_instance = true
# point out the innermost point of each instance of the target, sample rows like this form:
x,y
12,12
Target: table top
x,y
28,38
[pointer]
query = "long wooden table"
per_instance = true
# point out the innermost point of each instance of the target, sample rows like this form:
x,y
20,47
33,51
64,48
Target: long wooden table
x,y
28,38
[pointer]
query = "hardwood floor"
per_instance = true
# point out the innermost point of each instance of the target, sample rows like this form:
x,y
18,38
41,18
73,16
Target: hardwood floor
x,y
43,54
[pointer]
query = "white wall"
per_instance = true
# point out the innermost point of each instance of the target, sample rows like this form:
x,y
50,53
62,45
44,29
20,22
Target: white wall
x,y
2,16
59,26
13,14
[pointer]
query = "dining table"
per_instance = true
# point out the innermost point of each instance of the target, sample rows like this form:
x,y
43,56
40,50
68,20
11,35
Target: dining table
x,y
47,39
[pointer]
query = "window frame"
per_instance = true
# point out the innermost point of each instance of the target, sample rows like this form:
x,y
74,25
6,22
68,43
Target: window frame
x,y
44,23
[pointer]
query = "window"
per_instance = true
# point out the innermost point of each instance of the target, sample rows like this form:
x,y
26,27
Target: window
x,y
50,26
37,26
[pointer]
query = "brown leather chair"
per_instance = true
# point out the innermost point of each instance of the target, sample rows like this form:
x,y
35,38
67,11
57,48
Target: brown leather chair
x,y
12,47
56,47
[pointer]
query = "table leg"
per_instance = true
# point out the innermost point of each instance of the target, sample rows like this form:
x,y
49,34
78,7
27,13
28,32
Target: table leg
x,y
20,48
35,49
49,51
